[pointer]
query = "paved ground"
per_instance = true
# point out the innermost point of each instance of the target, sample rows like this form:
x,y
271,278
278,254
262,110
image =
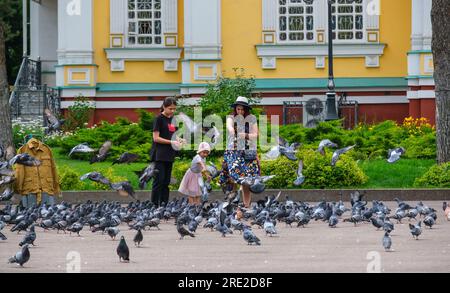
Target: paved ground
x,y
316,248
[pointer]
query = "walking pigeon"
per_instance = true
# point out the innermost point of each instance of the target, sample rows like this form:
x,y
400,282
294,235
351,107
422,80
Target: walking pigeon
x,y
122,250
21,257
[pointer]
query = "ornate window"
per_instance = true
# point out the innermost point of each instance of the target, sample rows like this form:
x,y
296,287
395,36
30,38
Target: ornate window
x,y
144,23
296,21
350,21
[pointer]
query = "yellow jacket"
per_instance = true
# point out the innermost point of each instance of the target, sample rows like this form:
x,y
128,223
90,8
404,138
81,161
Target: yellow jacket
x,y
37,179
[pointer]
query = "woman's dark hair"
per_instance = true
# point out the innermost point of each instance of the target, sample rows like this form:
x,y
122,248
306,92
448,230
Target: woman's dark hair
x,y
169,101
246,111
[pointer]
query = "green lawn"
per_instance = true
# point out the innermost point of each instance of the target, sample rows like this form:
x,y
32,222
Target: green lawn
x,y
400,174
381,174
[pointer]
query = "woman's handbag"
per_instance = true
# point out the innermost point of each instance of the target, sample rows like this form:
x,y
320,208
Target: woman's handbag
x,y
250,155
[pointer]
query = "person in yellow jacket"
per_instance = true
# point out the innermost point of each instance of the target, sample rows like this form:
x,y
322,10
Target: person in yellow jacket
x,y
37,184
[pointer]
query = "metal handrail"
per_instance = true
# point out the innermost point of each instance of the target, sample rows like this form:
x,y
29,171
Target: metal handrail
x,y
19,77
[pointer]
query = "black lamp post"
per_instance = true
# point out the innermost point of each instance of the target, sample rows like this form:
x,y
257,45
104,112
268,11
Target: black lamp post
x,y
331,94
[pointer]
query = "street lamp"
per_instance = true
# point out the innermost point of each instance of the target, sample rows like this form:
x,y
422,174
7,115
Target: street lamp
x,y
331,94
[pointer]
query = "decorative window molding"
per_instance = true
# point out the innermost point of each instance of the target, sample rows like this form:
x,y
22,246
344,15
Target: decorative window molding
x,y
295,21
117,56
348,20
370,51
144,23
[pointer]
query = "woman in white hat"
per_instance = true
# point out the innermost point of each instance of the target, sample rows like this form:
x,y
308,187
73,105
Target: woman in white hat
x,y
240,158
189,186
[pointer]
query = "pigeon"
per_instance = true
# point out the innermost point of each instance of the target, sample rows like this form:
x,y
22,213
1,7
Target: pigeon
x,y
53,123
7,194
154,223
255,183
333,220
7,180
204,189
221,226
338,153
96,177
429,221
102,152
394,154
387,241
283,148
29,238
138,238
215,135
112,232
124,188
126,158
81,148
5,169
250,237
212,170
326,143
377,222
300,177
24,159
269,227
147,174
122,250
415,230
183,232
2,236
75,228
21,257
190,125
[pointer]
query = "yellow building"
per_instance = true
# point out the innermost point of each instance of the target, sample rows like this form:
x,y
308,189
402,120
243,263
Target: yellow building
x,y
128,54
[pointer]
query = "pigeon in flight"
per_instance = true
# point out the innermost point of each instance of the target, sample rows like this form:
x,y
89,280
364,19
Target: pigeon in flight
x,y
283,148
102,152
53,123
126,158
24,159
122,250
394,154
300,177
256,183
326,143
96,177
81,148
338,153
190,125
21,257
147,174
124,188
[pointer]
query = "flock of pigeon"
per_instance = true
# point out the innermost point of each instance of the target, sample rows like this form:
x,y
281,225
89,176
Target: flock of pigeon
x,y
225,217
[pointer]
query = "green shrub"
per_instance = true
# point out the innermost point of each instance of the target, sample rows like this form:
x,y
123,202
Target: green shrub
x,y
78,114
317,169
436,176
145,119
69,179
420,147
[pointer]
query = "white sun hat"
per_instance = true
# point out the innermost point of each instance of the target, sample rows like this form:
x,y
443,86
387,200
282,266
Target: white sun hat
x,y
204,146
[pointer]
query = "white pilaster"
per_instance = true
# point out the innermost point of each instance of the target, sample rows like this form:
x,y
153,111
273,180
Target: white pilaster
x,y
202,25
269,15
75,31
118,16
427,31
417,25
321,14
170,16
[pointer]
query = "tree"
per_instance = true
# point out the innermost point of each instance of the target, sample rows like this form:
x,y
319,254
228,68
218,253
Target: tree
x,y
6,138
441,54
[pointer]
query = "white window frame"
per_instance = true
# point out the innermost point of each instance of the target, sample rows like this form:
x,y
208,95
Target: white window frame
x,y
161,35
354,30
305,31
